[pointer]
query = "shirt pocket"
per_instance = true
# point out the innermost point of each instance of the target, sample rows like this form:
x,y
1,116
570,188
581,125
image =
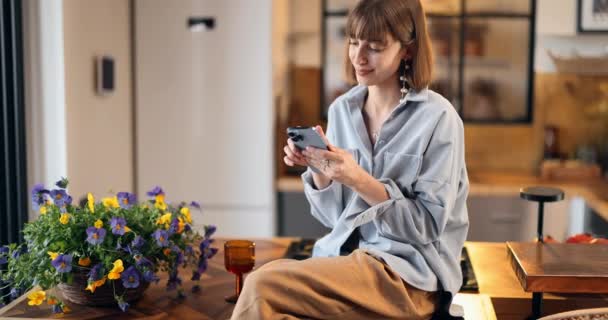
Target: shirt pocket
x,y
403,169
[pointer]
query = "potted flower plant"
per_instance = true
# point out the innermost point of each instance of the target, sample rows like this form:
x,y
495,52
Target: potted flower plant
x,y
103,252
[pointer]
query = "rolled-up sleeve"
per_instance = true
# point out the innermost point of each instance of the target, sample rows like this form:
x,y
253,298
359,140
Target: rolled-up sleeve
x,y
326,204
420,216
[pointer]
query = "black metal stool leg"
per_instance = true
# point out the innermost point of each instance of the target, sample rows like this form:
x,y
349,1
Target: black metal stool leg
x,y
539,228
537,305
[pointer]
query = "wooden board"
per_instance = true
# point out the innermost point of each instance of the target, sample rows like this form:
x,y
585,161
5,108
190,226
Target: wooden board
x,y
559,267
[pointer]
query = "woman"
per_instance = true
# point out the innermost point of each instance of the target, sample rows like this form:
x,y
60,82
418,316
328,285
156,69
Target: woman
x,y
392,187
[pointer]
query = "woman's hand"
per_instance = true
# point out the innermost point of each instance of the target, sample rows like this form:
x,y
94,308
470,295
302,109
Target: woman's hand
x,y
336,164
293,156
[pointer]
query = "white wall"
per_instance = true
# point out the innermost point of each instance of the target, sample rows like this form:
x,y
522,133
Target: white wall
x,y
99,128
44,92
556,30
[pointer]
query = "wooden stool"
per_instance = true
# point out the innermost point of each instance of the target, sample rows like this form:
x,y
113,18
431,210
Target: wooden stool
x,y
540,195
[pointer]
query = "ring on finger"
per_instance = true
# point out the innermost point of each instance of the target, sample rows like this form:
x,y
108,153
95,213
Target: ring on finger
x,y
326,164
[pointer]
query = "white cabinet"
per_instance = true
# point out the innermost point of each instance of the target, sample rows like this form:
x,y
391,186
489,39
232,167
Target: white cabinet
x,y
510,218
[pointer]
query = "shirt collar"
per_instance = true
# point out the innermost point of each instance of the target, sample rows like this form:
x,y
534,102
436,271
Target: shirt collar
x,y
357,96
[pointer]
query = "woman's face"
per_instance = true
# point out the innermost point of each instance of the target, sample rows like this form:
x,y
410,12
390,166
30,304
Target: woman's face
x,y
375,62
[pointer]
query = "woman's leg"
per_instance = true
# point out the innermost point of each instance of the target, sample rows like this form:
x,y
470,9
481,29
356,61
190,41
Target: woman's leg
x,y
357,286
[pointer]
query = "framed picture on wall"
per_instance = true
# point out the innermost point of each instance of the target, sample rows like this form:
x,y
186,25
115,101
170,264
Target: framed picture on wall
x,y
592,16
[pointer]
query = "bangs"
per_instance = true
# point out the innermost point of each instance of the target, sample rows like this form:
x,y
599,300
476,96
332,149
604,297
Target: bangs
x,y
370,25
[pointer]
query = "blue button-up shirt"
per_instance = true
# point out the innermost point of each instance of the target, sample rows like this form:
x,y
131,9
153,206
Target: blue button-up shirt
x,y
419,157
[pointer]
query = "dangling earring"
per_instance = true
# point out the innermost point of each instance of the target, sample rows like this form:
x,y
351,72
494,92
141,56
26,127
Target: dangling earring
x,y
403,78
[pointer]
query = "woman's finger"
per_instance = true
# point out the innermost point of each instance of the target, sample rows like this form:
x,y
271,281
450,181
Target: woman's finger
x,y
320,154
330,146
294,158
298,159
293,147
287,161
321,133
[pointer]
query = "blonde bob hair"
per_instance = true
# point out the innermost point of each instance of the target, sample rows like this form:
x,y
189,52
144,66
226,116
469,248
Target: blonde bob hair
x,y
405,21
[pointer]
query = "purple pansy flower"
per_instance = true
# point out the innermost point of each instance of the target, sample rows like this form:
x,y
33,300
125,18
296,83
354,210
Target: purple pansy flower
x,y
15,293
126,200
142,261
195,204
202,265
95,236
196,276
174,280
150,276
96,272
3,253
57,309
189,251
59,197
187,228
162,237
210,230
205,244
118,225
38,192
63,263
180,258
63,183
123,305
156,191
18,252
174,227
138,242
130,278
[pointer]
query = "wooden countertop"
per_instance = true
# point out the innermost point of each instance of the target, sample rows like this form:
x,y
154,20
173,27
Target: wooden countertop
x,y
495,278
495,183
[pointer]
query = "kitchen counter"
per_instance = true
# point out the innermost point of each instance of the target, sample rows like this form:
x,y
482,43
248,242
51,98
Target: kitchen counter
x,y
498,183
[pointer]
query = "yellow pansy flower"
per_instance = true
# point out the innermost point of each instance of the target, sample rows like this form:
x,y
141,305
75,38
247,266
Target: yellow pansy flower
x,y
96,284
111,202
53,255
160,202
186,212
43,210
91,202
98,224
116,270
51,301
164,219
85,262
180,225
36,298
66,309
65,218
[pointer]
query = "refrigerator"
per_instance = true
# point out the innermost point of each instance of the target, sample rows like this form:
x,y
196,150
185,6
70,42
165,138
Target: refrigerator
x,y
203,109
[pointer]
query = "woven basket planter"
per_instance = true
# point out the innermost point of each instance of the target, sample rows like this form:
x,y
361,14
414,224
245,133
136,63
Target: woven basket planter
x,y
103,296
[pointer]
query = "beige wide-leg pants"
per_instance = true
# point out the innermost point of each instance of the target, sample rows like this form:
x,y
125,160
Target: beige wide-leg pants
x,y
357,286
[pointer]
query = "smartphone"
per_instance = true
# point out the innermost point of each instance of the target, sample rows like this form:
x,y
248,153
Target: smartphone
x,y
304,137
